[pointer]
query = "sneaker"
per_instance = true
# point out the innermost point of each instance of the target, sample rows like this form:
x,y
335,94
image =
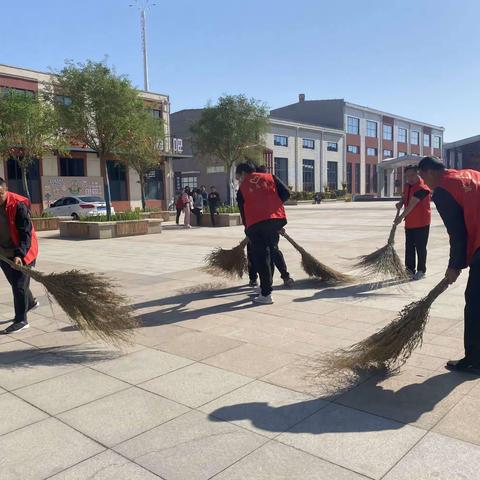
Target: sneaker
x,y
15,327
288,282
263,300
419,275
253,283
34,306
463,365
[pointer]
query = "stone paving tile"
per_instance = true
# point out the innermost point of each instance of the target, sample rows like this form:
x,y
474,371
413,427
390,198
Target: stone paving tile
x,y
359,441
15,413
58,339
16,351
190,447
120,416
154,334
263,408
275,461
107,465
43,449
440,458
71,390
196,384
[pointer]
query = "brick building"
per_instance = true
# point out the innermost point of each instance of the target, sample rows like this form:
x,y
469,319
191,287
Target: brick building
x,y
463,153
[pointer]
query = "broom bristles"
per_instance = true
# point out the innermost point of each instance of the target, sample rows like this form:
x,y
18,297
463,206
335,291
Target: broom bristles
x,y
229,263
388,348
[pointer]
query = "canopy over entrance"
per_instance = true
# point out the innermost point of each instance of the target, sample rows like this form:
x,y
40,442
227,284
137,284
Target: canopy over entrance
x,y
386,171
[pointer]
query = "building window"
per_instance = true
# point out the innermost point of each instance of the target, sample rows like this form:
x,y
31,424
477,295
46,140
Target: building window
x,y
190,181
23,91
372,128
216,169
426,140
415,137
387,154
368,172
63,100
437,142
14,179
353,149
308,176
387,132
375,180
402,135
353,125
402,154
280,140
154,185
332,175
156,113
117,175
349,177
332,146
72,167
308,143
372,152
281,168
357,178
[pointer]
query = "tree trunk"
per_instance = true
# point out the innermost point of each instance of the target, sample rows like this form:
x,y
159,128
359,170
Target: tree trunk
x,y
24,181
142,188
231,184
106,186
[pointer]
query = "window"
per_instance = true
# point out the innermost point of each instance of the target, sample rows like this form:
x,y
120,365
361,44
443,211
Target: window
x,y
332,175
188,181
372,152
156,113
402,135
353,125
332,146
308,143
415,137
27,93
387,132
281,169
357,178
216,169
70,201
372,128
352,149
308,176
349,177
426,140
72,167
437,141
402,154
375,181
91,199
154,185
387,154
63,100
280,140
14,179
368,172
117,175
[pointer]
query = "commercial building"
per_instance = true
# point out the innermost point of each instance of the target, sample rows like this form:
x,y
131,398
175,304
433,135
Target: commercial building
x,y
52,176
463,153
371,136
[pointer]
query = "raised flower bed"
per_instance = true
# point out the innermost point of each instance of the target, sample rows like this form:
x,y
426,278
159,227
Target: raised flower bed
x,y
98,230
42,224
221,220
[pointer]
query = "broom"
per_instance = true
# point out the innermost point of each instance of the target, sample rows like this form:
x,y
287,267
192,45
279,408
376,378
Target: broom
x,y
389,347
229,263
385,261
314,268
89,300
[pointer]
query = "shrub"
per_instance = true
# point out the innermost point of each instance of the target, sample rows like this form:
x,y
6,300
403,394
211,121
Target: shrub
x,y
118,217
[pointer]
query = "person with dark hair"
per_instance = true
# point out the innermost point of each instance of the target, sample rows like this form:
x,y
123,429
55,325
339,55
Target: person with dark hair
x,y
213,203
417,215
203,193
198,205
456,194
260,198
179,207
18,242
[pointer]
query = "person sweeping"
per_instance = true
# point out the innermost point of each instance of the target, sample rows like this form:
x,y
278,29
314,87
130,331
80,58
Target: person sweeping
x,y
417,215
456,194
260,199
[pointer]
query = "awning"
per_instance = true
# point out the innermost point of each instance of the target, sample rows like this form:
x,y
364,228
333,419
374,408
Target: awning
x,y
397,162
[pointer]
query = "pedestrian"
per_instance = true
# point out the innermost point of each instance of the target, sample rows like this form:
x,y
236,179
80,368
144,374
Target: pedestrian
x,y
18,242
318,198
203,192
260,198
213,203
187,207
179,207
417,215
198,205
456,194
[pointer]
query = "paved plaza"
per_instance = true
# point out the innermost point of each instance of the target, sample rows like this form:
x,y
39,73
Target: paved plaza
x,y
214,387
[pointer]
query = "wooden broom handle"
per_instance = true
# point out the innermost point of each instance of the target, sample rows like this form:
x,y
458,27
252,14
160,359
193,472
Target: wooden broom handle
x,y
285,235
391,237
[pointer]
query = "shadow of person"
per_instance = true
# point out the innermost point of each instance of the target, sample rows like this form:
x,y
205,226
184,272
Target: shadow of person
x,y
405,405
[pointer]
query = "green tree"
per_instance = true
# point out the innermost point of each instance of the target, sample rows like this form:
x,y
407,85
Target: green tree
x,y
29,130
97,109
233,130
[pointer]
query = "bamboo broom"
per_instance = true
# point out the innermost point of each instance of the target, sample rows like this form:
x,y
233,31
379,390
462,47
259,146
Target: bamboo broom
x,y
317,269
89,300
391,346
229,263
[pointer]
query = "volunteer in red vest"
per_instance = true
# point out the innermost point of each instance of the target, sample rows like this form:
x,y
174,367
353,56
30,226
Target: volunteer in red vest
x,y
18,243
260,198
417,215
456,194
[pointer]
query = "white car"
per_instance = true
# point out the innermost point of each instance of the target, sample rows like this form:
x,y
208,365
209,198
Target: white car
x,y
77,207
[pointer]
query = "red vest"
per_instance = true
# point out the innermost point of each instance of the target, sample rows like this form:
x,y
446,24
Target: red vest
x,y
421,215
11,211
261,199
464,187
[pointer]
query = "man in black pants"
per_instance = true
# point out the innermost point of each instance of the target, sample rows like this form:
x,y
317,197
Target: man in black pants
x,y
213,203
260,198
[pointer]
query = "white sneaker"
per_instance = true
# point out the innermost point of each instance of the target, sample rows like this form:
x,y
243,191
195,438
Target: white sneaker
x,y
263,300
419,275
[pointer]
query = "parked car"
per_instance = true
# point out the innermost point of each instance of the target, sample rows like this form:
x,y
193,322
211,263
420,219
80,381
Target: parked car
x,y
76,207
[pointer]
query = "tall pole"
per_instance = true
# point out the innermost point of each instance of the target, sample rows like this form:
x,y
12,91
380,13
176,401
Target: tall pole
x,y
144,48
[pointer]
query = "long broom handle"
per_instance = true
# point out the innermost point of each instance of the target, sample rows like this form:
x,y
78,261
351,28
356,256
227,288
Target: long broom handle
x,y
292,241
391,237
438,289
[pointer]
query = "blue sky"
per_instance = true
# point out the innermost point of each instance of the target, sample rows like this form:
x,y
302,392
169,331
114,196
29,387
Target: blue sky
x,y
417,58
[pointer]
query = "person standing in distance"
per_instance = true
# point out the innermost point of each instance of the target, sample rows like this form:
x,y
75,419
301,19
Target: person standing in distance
x,y
213,203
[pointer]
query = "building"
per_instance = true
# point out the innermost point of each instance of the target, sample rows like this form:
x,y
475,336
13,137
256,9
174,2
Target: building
x,y
305,157
463,153
53,176
370,137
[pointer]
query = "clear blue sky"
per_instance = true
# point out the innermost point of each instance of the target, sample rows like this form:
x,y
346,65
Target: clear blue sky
x,y
417,58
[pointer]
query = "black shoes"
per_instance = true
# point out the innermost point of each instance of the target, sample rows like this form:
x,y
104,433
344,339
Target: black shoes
x,y
464,365
15,327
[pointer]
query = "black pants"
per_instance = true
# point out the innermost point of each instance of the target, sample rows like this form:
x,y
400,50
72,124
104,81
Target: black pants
x,y
416,240
276,260
179,212
472,311
213,212
23,299
198,213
